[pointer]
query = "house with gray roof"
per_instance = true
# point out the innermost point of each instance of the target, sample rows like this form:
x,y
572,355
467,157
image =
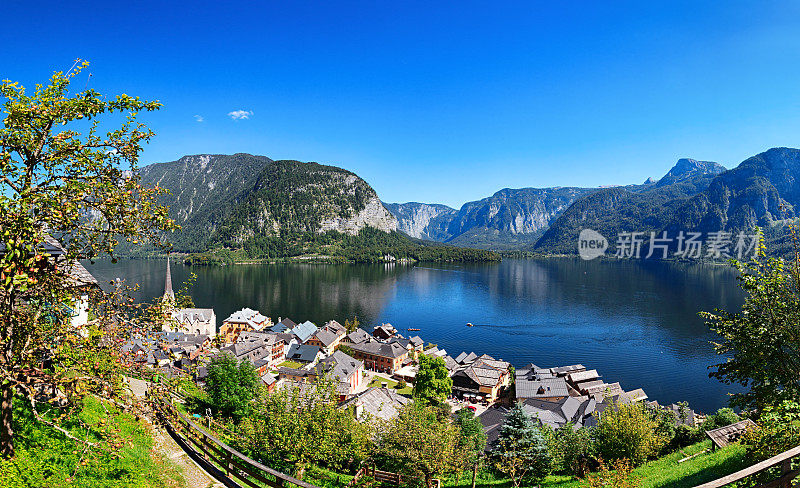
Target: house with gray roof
x,y
347,370
303,353
376,403
304,331
379,356
483,375
358,336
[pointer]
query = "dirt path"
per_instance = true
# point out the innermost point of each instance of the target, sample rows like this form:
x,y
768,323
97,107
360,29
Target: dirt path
x,y
164,444
195,476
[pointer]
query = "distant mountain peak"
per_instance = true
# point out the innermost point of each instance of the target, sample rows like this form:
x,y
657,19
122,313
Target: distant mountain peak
x,y
649,181
687,168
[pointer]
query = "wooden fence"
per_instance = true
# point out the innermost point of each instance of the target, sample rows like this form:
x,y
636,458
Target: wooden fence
x,y
231,463
782,460
385,477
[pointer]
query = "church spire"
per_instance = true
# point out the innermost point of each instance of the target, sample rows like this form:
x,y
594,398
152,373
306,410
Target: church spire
x,y
168,293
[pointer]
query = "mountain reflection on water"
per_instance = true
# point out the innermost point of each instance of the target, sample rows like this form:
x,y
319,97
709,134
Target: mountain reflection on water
x,y
636,322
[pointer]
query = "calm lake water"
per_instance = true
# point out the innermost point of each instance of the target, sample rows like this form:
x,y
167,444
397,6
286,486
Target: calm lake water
x,y
635,322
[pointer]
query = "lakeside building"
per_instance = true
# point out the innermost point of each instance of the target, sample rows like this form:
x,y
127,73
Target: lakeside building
x,y
480,375
384,331
377,356
327,338
245,319
358,336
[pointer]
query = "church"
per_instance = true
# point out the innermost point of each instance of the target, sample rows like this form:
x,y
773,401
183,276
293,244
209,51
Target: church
x,y
198,321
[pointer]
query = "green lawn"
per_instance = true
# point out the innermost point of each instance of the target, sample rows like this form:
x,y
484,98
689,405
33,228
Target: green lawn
x,y
377,380
291,364
660,473
46,458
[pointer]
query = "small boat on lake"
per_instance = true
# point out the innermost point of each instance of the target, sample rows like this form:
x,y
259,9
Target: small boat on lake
x,y
470,324
412,329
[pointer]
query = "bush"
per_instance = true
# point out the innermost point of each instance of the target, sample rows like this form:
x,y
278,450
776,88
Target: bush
x,y
570,450
628,431
723,417
401,384
619,476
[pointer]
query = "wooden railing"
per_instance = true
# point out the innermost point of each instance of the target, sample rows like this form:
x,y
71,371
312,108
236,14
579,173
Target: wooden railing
x,y
787,474
385,477
234,465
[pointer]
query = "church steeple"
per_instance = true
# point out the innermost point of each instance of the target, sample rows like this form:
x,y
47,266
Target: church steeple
x,y
168,293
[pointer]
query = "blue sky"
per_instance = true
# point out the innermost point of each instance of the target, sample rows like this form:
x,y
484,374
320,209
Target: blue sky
x,y
446,103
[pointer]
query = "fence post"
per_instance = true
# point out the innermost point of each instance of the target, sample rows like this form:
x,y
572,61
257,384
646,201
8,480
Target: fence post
x,y
786,467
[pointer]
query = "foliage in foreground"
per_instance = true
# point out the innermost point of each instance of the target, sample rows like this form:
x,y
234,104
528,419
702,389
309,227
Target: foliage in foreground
x,y
760,344
46,458
231,386
628,431
521,451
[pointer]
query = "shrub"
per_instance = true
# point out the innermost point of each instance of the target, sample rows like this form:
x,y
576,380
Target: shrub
x,y
723,417
401,384
628,431
570,450
619,476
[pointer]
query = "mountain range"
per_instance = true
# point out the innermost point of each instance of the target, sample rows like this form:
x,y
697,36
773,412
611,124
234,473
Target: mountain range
x,y
274,208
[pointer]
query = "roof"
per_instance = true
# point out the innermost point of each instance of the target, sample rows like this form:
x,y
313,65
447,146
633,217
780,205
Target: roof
x,y
417,341
288,323
335,327
484,371
304,331
286,371
565,370
541,388
268,379
381,403
580,376
340,366
303,352
192,315
730,433
392,350
325,336
492,420
358,336
247,316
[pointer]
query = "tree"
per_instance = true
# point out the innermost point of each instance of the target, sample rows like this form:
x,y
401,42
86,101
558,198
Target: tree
x,y
761,344
472,440
231,385
420,444
303,425
628,431
84,191
571,449
351,325
432,384
520,450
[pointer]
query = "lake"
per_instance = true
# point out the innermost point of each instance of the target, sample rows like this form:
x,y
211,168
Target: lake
x,y
635,322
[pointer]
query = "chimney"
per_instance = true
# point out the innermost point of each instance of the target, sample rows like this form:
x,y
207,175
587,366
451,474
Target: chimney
x,y
359,410
384,385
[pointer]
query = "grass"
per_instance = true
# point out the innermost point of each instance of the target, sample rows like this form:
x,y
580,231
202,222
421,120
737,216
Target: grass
x,y
660,473
291,364
377,380
46,458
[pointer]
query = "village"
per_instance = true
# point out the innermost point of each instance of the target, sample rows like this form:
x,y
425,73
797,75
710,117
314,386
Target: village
x,y
374,373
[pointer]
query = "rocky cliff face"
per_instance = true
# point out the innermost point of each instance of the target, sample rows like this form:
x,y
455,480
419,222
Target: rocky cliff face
x,y
374,214
509,219
238,199
423,220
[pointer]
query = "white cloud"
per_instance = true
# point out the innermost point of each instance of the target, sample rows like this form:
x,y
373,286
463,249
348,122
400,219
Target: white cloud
x,y
240,114
199,118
